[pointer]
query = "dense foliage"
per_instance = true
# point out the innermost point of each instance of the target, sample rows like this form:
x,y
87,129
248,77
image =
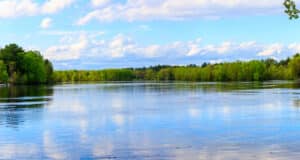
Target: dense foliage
x,y
291,9
234,71
18,66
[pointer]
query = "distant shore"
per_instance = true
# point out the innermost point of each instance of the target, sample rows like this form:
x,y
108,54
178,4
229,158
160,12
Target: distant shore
x,y
243,71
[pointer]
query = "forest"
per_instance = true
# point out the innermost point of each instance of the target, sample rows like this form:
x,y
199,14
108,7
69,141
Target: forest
x,y
18,66
255,70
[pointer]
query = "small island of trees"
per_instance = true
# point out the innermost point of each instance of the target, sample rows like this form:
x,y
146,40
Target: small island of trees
x,y
18,66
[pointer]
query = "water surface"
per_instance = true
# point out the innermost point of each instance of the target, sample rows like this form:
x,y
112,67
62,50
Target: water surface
x,y
151,121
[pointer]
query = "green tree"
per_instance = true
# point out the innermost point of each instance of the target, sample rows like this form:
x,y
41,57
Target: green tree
x,y
11,53
295,66
49,71
34,68
150,74
11,56
3,73
165,74
291,9
25,67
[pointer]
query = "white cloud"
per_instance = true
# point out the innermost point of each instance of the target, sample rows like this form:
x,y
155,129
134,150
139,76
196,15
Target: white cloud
x,y
271,50
13,8
52,6
248,44
295,47
68,51
119,46
123,46
81,47
46,23
95,14
134,10
16,8
223,48
99,3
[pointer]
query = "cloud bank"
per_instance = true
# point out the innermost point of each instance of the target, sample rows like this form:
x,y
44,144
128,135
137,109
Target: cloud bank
x,y
17,8
141,10
84,50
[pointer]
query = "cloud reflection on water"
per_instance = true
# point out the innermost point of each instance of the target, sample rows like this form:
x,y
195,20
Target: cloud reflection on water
x,y
160,123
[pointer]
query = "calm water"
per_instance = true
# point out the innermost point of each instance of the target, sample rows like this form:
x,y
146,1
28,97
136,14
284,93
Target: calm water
x,y
151,121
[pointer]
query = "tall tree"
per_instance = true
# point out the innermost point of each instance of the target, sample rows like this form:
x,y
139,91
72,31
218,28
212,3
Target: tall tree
x,y
49,71
295,66
24,67
11,56
34,68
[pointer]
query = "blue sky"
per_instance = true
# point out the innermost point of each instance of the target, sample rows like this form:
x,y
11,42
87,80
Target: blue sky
x,y
96,34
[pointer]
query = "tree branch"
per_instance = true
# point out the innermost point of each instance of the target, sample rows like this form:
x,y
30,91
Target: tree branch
x,y
291,9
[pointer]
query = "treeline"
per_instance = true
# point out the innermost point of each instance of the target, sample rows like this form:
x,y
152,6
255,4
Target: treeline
x,y
18,66
255,70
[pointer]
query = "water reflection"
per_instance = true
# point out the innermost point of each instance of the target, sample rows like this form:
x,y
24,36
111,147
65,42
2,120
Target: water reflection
x,y
151,121
21,103
297,103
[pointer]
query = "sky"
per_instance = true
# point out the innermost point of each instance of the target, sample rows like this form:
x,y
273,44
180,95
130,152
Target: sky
x,y
97,34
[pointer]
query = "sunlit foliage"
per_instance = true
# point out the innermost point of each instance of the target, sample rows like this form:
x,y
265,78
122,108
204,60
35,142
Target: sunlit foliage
x,y
18,66
255,70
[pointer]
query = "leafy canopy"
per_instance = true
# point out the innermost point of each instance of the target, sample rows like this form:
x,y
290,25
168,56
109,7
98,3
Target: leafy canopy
x,y
291,9
18,66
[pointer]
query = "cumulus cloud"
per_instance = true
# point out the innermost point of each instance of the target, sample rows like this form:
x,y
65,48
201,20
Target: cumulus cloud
x,y
271,50
68,51
295,47
134,10
52,6
46,23
16,8
83,49
119,45
99,3
13,8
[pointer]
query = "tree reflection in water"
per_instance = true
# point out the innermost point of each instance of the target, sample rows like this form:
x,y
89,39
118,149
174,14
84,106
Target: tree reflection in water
x,y
15,101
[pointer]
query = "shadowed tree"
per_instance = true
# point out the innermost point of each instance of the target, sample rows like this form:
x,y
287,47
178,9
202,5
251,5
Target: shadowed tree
x,y
291,9
295,66
3,73
49,71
